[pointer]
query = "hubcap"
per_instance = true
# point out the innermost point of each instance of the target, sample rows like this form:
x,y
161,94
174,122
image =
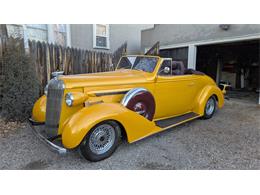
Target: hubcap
x,y
102,139
141,109
210,106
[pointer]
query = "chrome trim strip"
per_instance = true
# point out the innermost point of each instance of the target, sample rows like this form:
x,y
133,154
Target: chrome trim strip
x,y
110,93
130,94
48,143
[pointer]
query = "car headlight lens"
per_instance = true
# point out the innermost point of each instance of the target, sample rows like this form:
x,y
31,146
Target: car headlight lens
x,y
69,99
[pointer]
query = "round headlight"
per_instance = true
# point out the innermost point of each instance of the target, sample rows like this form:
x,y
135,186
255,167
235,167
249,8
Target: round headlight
x,y
69,99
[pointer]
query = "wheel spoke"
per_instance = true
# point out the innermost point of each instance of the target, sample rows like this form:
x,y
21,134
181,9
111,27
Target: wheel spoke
x,y
210,106
102,139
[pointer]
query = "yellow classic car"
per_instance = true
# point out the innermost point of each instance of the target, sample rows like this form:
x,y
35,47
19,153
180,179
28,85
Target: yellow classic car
x,y
143,96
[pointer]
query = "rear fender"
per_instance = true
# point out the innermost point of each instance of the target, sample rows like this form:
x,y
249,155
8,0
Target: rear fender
x,y
205,94
135,126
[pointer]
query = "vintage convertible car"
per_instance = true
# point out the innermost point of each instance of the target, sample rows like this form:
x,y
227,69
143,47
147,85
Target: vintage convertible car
x,y
143,96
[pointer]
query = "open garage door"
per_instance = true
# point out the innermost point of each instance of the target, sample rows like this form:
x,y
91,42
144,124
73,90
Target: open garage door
x,y
236,63
177,54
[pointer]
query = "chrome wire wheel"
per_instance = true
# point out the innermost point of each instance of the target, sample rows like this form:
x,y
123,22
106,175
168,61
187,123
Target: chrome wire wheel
x,y
210,106
102,139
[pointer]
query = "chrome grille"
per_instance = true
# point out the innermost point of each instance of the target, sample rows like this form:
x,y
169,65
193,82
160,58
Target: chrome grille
x,y
53,108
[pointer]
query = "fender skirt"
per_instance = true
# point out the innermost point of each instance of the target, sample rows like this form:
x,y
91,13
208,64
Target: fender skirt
x,y
135,125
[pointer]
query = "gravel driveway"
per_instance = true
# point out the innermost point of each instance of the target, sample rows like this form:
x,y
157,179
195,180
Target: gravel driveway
x,y
230,140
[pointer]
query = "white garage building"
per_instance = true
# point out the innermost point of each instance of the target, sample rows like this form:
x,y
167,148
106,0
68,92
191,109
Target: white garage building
x,y
227,53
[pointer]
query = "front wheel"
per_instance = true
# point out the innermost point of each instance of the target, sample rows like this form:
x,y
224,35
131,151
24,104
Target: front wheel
x,y
101,141
210,108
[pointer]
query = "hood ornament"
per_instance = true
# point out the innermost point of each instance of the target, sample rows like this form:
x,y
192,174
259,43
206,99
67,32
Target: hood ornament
x,y
56,74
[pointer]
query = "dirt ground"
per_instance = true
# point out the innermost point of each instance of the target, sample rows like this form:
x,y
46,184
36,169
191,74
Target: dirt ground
x,y
230,140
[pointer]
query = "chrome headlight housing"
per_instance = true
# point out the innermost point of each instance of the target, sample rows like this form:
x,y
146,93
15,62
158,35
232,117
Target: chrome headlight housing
x,y
69,99
46,90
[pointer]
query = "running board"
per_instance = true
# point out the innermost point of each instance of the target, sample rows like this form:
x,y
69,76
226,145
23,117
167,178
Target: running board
x,y
173,121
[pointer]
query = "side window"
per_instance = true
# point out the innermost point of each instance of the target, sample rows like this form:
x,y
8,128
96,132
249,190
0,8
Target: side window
x,y
166,68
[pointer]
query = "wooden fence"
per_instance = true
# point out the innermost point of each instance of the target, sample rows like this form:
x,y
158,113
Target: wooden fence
x,y
118,54
48,58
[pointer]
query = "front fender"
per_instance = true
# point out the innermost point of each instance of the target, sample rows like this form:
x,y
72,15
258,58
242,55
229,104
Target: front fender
x,y
39,109
204,95
135,126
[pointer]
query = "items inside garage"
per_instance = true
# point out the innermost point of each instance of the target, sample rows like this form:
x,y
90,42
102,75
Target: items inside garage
x,y
234,63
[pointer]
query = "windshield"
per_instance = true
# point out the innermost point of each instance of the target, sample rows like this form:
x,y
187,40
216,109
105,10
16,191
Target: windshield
x,y
146,64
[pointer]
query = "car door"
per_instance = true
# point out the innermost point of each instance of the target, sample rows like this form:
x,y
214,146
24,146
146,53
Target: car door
x,y
174,94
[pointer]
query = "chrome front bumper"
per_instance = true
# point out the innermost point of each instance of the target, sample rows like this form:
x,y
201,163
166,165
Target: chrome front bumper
x,y
47,141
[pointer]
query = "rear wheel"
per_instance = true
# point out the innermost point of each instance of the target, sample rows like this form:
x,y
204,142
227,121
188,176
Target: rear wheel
x,y
101,141
210,108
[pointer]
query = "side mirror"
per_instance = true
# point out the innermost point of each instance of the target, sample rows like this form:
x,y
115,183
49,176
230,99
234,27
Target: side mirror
x,y
166,70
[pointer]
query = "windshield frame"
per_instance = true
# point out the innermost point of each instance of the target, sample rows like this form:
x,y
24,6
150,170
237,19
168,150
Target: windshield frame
x,y
142,56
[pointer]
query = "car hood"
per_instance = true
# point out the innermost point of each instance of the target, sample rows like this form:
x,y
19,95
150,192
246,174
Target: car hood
x,y
118,77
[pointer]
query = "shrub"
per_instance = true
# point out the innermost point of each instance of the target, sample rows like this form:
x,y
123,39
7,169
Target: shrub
x,y
20,84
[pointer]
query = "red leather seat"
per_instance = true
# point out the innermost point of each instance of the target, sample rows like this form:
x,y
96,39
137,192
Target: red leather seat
x,y
178,68
192,71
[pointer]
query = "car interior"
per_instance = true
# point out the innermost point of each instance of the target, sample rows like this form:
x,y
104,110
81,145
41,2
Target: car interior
x,y
176,68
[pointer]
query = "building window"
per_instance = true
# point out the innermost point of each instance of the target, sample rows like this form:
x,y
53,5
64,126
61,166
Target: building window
x,y
15,30
37,32
37,26
101,36
60,32
52,33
